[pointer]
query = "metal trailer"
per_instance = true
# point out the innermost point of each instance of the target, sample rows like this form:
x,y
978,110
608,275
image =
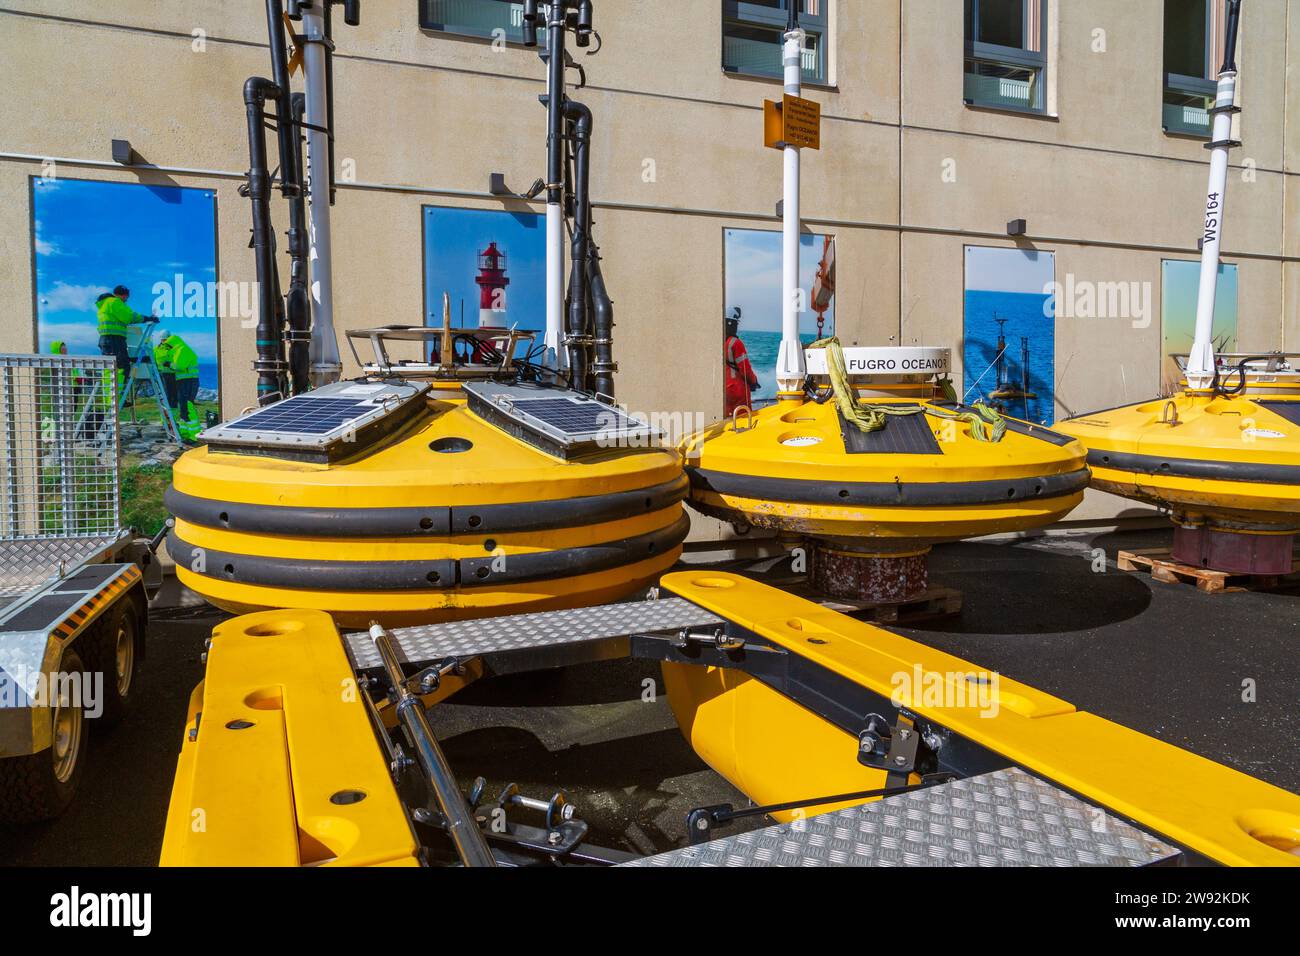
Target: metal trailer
x,y
305,747
73,597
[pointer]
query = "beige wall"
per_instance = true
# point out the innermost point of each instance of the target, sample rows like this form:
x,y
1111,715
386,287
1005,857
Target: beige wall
x,y
426,117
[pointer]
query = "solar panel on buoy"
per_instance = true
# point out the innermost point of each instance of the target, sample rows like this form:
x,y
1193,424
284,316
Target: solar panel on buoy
x,y
325,424
306,416
559,421
576,417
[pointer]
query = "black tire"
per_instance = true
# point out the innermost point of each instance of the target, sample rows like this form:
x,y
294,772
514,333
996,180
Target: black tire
x,y
40,786
120,626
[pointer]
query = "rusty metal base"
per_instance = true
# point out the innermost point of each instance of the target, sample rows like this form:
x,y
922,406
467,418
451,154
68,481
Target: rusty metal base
x,y
1233,551
869,576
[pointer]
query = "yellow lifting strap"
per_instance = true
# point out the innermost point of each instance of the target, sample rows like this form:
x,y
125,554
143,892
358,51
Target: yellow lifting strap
x,y
986,424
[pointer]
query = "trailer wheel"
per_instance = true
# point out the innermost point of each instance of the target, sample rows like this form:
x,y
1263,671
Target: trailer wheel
x,y
113,650
40,786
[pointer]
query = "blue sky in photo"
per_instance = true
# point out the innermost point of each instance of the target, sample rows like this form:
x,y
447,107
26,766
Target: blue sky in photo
x,y
752,265
91,236
453,238
990,269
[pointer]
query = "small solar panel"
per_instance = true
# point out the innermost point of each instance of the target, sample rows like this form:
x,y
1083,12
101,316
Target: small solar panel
x,y
557,420
305,416
322,425
576,417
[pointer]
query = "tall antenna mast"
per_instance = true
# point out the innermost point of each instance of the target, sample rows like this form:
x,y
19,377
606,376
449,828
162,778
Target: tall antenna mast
x,y
554,17
790,366
318,51
1201,366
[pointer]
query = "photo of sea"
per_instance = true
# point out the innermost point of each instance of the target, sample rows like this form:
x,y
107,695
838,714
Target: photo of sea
x,y
763,348
752,267
1009,348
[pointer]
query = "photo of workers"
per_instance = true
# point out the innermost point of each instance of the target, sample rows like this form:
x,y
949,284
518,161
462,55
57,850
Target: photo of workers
x,y
130,271
751,320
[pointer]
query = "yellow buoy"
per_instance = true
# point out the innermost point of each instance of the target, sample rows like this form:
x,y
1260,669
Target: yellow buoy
x,y
428,504
874,499
1227,467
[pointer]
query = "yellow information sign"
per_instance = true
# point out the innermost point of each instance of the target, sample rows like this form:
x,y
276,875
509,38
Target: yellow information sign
x,y
792,122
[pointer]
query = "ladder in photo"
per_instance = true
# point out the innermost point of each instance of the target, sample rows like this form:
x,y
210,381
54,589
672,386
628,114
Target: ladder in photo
x,y
144,368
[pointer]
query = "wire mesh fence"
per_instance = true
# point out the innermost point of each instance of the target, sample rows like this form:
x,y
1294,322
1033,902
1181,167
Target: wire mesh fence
x,y
59,500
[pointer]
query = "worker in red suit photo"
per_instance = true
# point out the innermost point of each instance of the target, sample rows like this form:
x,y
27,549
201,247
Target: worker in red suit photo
x,y
738,375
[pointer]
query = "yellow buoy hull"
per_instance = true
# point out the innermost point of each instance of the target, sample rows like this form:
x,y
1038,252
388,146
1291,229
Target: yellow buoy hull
x,y
406,534
790,469
1228,462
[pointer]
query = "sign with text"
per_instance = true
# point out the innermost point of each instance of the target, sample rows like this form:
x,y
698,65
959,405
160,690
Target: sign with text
x,y
794,121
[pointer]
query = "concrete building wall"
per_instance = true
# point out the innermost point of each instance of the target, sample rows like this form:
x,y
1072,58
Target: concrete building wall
x,y
907,176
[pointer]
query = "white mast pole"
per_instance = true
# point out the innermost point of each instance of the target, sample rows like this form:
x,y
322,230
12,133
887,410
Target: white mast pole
x,y
1201,361
324,353
554,355
790,367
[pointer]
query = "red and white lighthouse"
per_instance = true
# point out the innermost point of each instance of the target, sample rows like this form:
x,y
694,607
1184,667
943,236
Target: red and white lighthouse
x,y
492,284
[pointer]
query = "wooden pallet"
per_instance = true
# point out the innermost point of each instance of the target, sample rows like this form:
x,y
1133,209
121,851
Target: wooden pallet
x,y
1164,568
935,603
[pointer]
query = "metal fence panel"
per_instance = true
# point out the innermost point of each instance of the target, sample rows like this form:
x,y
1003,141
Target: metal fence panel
x,y
59,464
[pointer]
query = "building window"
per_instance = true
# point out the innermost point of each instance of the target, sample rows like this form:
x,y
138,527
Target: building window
x,y
1193,41
1005,62
752,31
475,18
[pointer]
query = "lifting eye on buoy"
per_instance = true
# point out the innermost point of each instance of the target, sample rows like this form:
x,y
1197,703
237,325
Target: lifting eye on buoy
x,y
735,418
1169,415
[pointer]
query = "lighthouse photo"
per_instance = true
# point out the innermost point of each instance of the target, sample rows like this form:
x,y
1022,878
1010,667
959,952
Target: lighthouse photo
x,y
485,259
492,282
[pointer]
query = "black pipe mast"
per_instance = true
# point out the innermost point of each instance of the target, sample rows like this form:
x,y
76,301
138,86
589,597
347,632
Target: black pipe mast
x,y
589,312
296,328
284,316
270,364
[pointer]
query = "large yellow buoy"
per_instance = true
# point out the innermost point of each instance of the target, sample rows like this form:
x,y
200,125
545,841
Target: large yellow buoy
x,y
1226,467
425,504
874,501
476,474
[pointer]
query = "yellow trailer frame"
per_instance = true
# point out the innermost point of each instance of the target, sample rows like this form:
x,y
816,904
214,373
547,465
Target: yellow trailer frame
x,y
281,739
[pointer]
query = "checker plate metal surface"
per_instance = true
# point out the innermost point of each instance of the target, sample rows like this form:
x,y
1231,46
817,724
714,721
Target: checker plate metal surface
x,y
1007,818
462,639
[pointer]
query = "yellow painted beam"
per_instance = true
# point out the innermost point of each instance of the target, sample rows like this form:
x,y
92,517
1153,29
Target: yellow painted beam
x,y
1226,815
283,743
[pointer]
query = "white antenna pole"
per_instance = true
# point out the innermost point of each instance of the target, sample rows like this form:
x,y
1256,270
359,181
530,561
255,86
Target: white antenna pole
x,y
554,355
1201,361
324,353
790,366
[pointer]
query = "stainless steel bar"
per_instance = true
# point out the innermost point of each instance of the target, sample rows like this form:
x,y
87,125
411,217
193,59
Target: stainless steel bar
x,y
471,846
